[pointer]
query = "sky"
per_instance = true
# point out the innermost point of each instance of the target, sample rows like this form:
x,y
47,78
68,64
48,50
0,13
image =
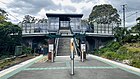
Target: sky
x,y
17,9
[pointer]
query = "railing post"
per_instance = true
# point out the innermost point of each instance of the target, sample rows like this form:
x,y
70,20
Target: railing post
x,y
83,49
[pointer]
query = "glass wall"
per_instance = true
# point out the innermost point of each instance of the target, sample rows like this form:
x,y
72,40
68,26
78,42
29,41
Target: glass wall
x,y
104,28
75,24
33,27
64,23
53,24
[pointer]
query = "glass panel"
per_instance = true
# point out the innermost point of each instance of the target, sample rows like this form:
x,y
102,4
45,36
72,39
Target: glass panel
x,y
53,23
75,24
64,23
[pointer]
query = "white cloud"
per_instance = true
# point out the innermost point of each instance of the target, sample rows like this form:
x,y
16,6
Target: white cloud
x,y
38,8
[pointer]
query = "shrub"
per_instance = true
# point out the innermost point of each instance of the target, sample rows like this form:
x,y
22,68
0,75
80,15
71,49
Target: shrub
x,y
111,55
110,46
123,57
122,50
135,63
26,50
115,46
103,50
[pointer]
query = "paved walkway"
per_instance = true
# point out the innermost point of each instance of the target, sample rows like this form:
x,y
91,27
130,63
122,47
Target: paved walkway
x,y
92,68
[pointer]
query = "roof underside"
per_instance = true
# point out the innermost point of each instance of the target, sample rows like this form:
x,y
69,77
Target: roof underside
x,y
64,15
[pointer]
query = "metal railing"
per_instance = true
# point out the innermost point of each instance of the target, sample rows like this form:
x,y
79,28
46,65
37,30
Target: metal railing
x,y
30,28
56,47
75,46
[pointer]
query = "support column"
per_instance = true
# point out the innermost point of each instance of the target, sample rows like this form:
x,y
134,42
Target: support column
x,y
51,50
96,43
30,43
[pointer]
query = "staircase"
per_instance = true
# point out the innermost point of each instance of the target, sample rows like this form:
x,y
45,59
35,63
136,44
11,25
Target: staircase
x,y
64,44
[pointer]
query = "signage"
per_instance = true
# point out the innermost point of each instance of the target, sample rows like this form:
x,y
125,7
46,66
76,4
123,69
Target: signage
x,y
51,47
83,47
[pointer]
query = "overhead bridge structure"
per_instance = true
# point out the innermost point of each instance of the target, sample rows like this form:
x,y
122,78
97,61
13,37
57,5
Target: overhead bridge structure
x,y
60,27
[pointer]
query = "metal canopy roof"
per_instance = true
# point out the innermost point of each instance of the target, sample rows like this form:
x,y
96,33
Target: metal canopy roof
x,y
64,15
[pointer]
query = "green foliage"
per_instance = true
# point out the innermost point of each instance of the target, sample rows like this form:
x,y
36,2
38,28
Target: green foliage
x,y
136,28
5,63
4,55
127,46
135,63
3,15
26,50
121,54
8,41
125,36
110,46
29,19
110,55
130,51
113,46
103,50
104,14
120,34
122,50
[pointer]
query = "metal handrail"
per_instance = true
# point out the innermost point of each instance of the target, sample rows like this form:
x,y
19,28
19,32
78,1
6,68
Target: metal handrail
x,y
56,50
76,46
76,42
56,43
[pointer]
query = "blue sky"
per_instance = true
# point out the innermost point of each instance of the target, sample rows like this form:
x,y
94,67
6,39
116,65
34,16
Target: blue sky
x,y
38,8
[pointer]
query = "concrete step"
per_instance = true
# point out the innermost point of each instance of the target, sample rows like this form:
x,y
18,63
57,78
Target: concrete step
x,y
64,44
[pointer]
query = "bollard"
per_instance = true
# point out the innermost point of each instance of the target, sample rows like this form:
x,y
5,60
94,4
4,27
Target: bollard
x,y
72,64
72,57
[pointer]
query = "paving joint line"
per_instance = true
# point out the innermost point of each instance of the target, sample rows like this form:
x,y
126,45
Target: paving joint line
x,y
78,67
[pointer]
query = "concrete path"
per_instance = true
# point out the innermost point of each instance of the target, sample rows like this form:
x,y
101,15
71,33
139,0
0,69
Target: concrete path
x,y
92,68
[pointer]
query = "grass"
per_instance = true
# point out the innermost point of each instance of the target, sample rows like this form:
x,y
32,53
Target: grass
x,y
129,51
5,63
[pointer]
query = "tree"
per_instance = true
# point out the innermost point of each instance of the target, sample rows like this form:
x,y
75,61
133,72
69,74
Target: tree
x,y
85,23
119,34
43,20
3,15
137,26
136,29
138,20
10,37
28,20
104,14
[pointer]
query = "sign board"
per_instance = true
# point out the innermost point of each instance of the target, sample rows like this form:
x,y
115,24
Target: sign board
x,y
51,47
83,47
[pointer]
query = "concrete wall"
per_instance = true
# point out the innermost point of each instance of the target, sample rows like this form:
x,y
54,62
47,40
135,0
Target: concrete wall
x,y
96,42
92,43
